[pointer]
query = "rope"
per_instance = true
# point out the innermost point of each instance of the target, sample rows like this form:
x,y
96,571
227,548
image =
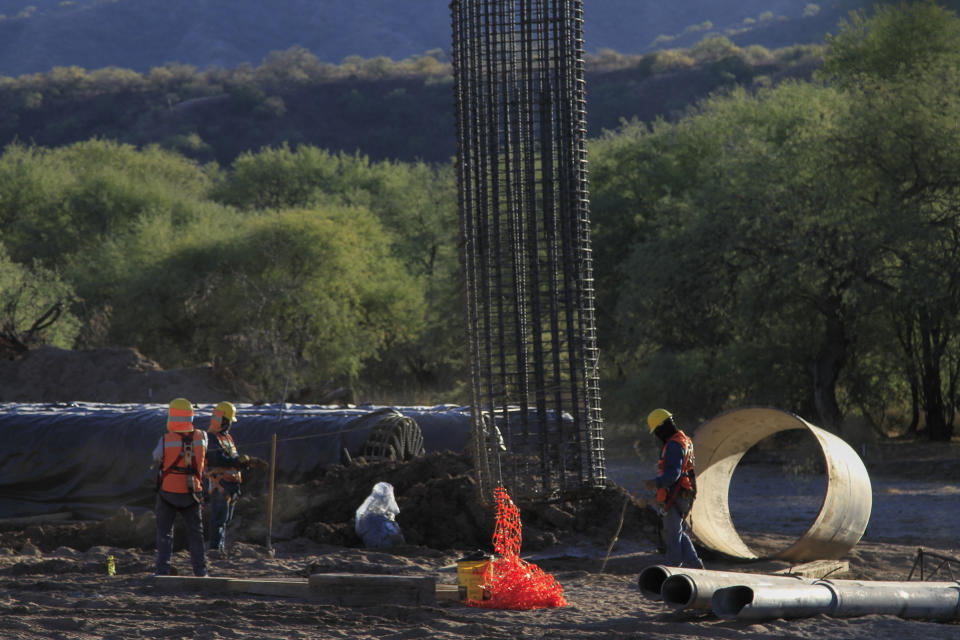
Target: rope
x,y
313,435
333,433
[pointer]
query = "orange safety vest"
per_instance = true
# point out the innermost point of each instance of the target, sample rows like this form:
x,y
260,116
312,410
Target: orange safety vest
x,y
184,461
216,475
686,468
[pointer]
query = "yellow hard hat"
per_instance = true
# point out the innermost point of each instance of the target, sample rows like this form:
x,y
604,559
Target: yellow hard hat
x,y
226,410
657,417
180,416
223,411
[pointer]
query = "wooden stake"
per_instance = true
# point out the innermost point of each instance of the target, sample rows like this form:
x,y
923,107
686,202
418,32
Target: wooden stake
x,y
273,473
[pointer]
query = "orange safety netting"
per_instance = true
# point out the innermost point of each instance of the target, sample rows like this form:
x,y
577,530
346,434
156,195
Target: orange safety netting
x,y
513,583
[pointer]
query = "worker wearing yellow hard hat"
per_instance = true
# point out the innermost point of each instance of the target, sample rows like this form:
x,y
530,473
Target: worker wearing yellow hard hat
x,y
181,456
675,487
224,473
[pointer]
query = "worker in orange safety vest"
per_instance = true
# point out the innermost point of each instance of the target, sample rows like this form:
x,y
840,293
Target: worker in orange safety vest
x,y
181,454
224,465
675,486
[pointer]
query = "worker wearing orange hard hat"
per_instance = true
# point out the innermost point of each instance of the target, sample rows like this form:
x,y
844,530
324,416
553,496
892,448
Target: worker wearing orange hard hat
x,y
181,454
675,486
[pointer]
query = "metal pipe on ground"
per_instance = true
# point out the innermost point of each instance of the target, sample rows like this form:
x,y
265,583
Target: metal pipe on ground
x,y
651,579
685,588
695,591
840,599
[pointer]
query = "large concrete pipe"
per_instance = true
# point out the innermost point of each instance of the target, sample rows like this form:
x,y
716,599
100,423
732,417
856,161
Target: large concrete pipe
x,y
840,599
720,444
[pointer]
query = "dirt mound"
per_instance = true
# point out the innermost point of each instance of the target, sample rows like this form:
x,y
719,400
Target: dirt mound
x,y
436,493
440,508
50,374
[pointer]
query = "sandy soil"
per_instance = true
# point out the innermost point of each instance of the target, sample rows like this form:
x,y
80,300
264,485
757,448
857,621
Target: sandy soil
x,y
64,593
67,594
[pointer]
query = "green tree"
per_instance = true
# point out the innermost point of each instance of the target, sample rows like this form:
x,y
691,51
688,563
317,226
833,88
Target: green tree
x,y
278,178
897,40
416,205
280,300
58,202
741,262
798,246
902,70
34,307
903,134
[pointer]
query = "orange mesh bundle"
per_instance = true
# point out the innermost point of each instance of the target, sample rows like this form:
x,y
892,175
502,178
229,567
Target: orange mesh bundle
x,y
511,582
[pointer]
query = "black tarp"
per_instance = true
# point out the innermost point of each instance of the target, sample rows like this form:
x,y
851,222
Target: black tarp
x,y
91,459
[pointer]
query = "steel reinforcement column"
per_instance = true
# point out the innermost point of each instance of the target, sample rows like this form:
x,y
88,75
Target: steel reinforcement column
x,y
525,234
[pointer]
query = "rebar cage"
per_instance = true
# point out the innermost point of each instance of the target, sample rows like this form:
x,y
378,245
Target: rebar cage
x,y
525,233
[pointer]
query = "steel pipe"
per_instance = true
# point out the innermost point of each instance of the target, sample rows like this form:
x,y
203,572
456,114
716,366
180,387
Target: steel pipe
x,y
721,442
840,599
651,579
685,588
695,591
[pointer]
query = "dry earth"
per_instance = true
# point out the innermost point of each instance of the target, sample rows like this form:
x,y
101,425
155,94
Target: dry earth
x,y
64,592
53,580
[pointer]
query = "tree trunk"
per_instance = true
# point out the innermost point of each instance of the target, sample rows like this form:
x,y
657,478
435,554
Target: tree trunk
x,y
939,428
825,371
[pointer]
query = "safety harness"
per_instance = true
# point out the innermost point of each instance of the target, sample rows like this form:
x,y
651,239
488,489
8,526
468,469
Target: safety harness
x,y
217,475
187,467
687,471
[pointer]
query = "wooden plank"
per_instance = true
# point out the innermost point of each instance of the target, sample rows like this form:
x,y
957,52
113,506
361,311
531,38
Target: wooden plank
x,y
817,569
448,593
344,589
265,587
359,589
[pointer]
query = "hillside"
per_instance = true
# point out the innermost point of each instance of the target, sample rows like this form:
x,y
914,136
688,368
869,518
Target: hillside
x,y
394,114
36,35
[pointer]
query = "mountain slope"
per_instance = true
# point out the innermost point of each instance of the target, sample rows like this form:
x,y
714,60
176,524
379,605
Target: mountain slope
x,y
141,34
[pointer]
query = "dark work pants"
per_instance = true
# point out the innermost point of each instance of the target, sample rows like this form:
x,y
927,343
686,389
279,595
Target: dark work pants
x,y
221,513
680,551
167,507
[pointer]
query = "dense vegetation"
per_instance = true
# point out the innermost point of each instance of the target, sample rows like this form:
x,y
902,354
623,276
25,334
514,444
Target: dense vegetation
x,y
797,246
398,110
788,243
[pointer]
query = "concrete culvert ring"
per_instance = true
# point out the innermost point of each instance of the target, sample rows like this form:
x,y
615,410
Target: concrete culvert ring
x,y
719,445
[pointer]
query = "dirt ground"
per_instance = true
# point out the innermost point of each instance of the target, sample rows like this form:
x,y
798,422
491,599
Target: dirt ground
x,y
65,592
54,583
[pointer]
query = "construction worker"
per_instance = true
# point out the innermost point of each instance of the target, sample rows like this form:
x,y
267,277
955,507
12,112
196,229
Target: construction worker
x,y
181,454
224,467
675,486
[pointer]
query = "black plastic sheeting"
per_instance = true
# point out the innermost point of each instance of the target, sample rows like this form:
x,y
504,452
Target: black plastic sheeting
x,y
90,459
